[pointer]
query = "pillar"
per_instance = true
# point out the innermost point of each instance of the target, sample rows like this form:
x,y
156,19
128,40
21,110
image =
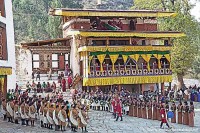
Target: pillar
x,y
83,58
119,87
142,88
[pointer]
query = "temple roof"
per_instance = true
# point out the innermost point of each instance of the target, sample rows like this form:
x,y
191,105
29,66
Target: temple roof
x,y
45,42
109,13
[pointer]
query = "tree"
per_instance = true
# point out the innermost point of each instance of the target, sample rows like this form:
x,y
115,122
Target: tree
x,y
32,22
185,48
196,67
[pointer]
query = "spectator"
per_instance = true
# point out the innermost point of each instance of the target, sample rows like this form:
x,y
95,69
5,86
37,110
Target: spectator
x,y
9,95
44,85
39,87
28,86
50,74
63,85
16,88
38,75
33,76
53,86
62,74
59,78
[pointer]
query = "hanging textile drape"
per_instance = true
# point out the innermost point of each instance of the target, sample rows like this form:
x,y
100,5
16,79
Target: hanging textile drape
x,y
125,57
158,56
113,60
101,59
89,62
136,58
167,56
147,58
5,71
126,80
2,84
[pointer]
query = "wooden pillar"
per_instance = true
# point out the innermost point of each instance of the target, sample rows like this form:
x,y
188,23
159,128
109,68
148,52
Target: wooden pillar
x,y
130,41
119,87
86,63
107,41
83,58
143,88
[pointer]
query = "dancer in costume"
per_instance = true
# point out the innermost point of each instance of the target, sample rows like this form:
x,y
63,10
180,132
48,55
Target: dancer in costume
x,y
50,116
62,115
32,112
56,119
74,117
82,120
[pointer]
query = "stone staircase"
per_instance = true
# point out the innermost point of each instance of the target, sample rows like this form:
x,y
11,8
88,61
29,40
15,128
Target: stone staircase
x,y
22,81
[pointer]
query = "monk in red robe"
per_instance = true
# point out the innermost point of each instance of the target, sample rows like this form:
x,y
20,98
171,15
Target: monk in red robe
x,y
69,81
163,117
119,109
63,85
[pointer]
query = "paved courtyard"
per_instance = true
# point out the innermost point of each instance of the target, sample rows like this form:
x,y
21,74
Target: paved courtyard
x,y
102,122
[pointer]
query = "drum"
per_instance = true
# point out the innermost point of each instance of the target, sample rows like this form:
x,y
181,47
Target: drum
x,y
170,114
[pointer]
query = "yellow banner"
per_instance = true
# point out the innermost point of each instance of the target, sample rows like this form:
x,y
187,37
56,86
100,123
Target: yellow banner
x,y
113,60
167,56
101,59
2,85
130,13
125,57
159,57
124,48
135,57
147,58
126,80
127,34
5,71
89,62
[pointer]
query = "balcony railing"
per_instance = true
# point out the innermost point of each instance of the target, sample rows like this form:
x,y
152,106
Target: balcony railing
x,y
128,70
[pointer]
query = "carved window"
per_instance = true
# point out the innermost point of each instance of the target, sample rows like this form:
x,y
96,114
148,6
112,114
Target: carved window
x,y
54,60
36,63
66,59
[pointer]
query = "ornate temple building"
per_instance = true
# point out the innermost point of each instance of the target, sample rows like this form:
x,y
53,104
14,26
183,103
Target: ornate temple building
x,y
7,48
123,48
44,55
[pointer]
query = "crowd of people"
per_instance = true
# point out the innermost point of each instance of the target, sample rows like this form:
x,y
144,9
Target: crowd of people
x,y
49,87
51,111
155,108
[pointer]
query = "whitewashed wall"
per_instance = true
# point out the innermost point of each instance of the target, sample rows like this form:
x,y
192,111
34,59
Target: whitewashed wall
x,y
74,58
24,64
10,44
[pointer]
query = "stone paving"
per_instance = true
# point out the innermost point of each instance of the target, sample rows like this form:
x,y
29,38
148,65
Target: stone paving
x,y
103,122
